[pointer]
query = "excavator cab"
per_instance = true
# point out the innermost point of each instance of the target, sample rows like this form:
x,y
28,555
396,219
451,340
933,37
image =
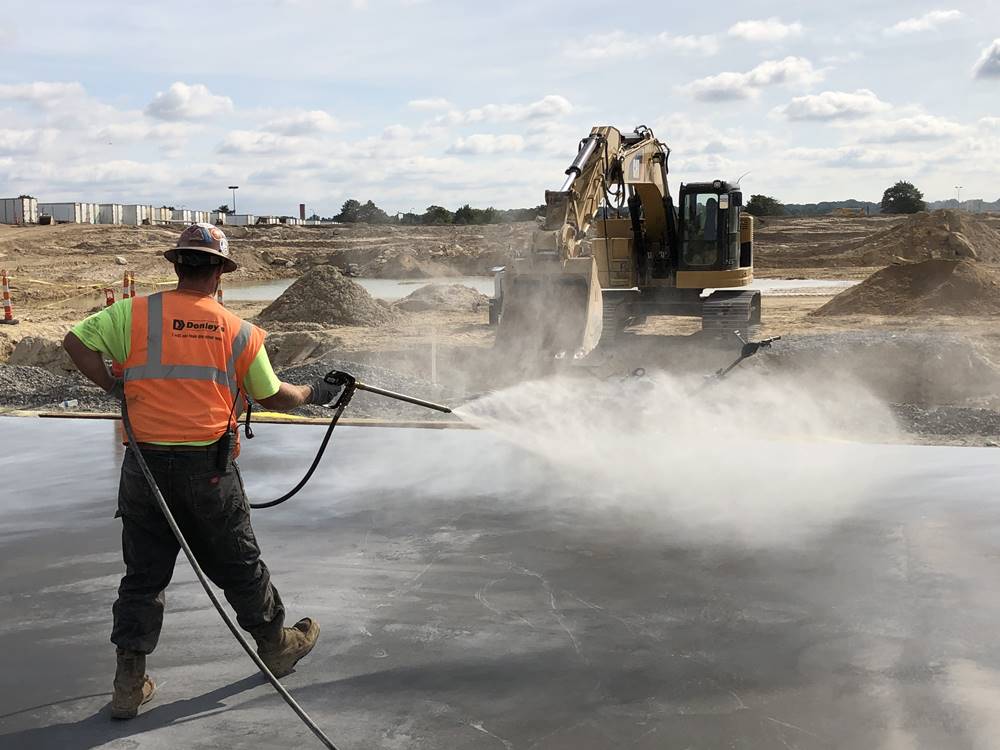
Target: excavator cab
x,y
709,229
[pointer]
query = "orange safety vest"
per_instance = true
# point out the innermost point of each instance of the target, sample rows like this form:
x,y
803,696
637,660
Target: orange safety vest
x,y
188,358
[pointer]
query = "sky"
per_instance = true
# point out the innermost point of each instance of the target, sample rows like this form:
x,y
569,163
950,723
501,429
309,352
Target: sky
x,y
417,102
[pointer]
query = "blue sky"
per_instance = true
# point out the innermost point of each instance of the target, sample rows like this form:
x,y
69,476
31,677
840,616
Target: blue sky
x,y
413,102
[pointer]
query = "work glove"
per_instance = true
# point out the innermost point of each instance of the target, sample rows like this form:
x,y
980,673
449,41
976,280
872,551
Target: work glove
x,y
323,392
117,390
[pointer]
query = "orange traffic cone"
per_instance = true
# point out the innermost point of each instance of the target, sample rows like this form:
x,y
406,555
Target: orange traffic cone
x,y
8,307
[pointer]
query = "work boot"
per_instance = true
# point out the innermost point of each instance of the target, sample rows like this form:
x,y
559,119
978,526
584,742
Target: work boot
x,y
281,652
132,685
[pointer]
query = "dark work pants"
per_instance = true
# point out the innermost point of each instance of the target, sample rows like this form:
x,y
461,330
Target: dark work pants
x,y
211,509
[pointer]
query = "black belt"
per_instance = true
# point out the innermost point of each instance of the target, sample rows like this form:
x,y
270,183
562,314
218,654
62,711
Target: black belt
x,y
211,447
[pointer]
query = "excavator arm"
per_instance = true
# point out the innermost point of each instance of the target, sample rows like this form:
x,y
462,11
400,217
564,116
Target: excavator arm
x,y
606,162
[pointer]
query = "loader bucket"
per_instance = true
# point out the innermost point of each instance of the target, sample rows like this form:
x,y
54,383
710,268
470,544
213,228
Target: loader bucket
x,y
555,312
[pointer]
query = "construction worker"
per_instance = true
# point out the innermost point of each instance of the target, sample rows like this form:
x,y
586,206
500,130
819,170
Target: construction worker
x,y
186,361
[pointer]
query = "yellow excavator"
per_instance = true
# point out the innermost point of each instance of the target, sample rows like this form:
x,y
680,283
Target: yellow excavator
x,y
614,248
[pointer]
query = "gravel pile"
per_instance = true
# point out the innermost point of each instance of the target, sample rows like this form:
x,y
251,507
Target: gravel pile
x,y
324,295
945,287
952,421
26,387
443,297
934,234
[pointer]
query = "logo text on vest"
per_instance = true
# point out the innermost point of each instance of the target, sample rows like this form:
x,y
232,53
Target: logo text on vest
x,y
196,325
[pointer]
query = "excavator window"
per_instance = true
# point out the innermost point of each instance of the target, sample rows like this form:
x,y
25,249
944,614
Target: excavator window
x,y
701,230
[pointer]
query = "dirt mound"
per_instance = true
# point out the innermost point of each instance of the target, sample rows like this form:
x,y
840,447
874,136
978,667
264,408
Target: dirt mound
x,y
324,295
443,297
934,234
37,351
945,287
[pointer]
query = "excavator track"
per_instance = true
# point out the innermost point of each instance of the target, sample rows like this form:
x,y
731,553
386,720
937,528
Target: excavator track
x,y
724,312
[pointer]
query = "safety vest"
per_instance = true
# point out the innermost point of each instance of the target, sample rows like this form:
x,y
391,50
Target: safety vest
x,y
188,357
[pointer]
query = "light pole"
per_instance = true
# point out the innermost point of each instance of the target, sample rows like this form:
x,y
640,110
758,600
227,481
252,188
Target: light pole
x,y
958,193
234,188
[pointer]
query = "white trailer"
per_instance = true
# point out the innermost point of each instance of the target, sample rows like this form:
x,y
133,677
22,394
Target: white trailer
x,y
182,215
110,213
64,213
21,210
135,214
218,218
241,220
200,217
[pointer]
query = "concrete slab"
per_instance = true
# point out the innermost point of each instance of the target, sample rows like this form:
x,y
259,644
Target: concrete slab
x,y
460,610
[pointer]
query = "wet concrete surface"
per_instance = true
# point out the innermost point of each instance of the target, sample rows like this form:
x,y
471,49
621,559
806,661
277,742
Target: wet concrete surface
x,y
462,618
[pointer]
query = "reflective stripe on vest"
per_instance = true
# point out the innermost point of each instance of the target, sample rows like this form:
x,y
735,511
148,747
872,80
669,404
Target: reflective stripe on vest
x,y
155,369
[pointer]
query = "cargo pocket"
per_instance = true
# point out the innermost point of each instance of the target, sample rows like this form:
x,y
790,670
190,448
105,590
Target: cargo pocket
x,y
211,494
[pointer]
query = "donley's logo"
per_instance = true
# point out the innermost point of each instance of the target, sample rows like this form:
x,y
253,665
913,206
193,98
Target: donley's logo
x,y
196,325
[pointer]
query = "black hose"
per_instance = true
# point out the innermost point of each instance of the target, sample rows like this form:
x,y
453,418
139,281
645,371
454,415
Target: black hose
x,y
151,481
341,405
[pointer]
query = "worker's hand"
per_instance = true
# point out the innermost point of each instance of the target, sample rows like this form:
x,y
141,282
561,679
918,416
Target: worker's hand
x,y
323,392
117,389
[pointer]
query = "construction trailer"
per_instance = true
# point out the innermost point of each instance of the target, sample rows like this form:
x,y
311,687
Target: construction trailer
x,y
110,213
20,210
182,215
161,215
200,217
65,213
135,214
216,217
241,220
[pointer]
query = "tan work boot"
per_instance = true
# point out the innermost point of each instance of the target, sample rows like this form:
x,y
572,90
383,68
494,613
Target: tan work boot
x,y
281,653
132,685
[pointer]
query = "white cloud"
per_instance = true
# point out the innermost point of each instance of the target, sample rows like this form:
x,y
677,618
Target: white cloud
x,y
484,143
926,22
42,93
834,105
303,123
850,157
258,142
767,30
619,44
916,128
188,102
21,141
397,133
432,104
549,106
988,65
726,86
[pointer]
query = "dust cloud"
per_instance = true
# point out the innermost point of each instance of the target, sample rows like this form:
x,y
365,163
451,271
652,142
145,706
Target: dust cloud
x,y
755,459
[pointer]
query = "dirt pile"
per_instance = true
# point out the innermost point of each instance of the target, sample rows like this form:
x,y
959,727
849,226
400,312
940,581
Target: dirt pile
x,y
443,297
934,234
324,295
945,287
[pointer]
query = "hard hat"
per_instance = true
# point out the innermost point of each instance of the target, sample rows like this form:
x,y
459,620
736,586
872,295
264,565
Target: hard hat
x,y
203,238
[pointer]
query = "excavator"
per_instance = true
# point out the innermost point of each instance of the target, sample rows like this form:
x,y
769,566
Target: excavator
x,y
614,248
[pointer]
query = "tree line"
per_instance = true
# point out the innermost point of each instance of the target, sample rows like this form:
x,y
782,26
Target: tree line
x,y
901,198
355,212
